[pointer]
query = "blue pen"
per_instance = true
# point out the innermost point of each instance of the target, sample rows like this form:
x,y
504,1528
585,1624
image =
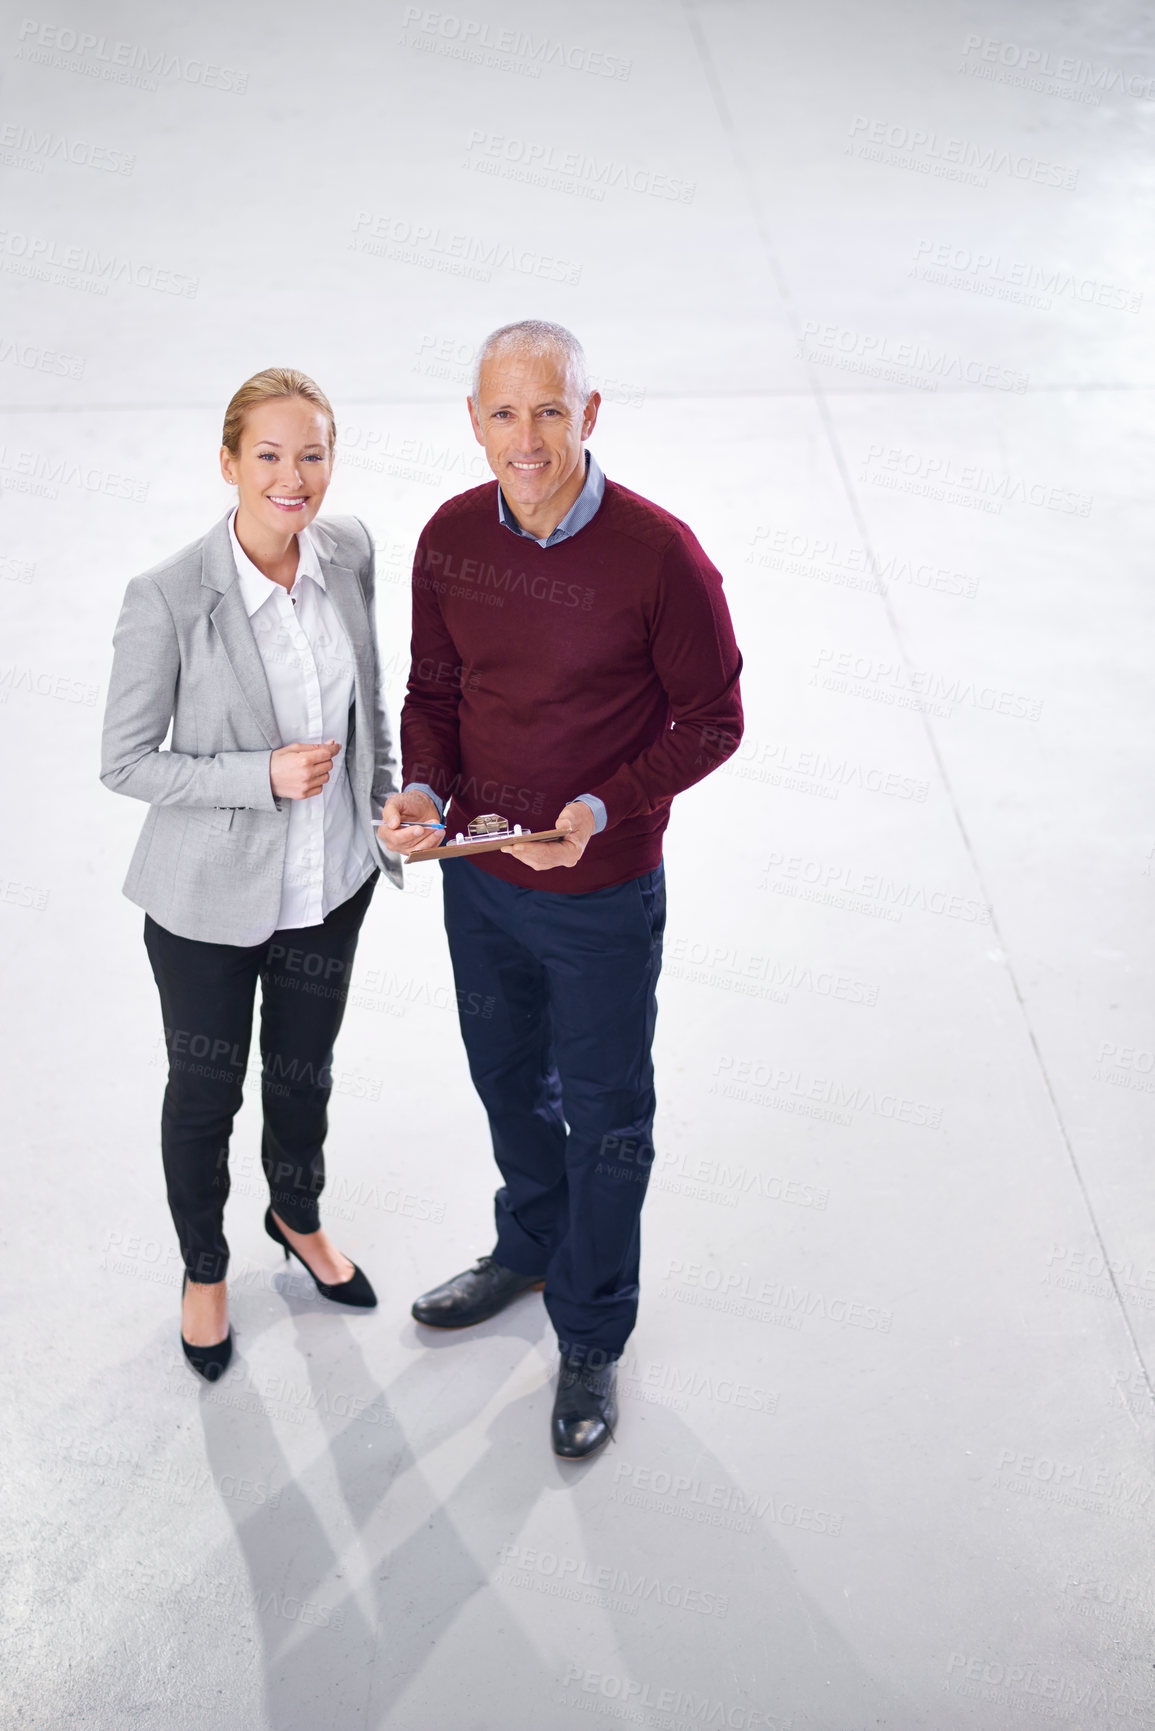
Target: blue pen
x,y
413,823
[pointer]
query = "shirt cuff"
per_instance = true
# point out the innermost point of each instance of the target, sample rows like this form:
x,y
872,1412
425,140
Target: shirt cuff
x,y
596,806
424,787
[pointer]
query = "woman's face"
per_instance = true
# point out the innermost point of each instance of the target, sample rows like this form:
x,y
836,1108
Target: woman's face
x,y
283,469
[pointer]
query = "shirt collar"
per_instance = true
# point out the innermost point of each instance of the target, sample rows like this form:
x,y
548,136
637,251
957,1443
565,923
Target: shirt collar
x,y
583,510
255,586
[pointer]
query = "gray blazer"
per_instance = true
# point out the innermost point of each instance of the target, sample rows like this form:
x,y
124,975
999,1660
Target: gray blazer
x,y
211,855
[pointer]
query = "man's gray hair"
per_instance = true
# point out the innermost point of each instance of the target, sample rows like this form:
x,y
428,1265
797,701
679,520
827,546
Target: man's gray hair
x,y
535,337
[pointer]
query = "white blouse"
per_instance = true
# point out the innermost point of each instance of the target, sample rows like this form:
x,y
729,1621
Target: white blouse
x,y
308,663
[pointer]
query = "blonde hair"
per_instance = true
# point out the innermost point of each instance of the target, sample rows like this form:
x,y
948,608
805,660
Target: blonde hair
x,y
265,387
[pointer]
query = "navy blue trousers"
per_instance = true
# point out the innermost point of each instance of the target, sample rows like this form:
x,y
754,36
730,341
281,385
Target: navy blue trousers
x,y
563,1068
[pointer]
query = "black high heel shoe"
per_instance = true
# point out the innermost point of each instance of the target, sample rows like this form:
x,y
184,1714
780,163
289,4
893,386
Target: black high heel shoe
x,y
355,1291
211,1362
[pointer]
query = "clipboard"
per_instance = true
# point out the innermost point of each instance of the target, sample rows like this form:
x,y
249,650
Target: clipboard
x,y
488,844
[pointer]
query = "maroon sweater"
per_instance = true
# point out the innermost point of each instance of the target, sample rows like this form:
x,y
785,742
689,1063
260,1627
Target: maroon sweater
x,y
605,664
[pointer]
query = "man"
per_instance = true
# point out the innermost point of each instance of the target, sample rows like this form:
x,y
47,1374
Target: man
x,y
574,667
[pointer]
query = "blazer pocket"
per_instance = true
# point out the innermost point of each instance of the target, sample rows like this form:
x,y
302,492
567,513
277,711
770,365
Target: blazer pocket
x,y
213,817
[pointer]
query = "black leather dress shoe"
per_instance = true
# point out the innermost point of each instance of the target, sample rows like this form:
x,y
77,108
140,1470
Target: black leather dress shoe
x,y
585,1408
471,1297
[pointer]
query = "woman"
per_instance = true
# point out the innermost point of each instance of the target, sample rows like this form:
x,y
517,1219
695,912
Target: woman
x,y
258,856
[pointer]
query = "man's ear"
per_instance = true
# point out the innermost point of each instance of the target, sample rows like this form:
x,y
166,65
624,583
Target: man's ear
x,y
590,413
476,422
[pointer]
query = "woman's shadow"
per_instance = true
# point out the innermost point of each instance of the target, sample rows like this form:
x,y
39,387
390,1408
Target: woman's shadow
x,y
348,1603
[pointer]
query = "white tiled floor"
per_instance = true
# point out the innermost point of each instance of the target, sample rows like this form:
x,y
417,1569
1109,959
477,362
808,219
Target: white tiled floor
x,y
885,1457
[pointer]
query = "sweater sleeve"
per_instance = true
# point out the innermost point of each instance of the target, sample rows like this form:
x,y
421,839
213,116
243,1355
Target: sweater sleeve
x,y
697,662
430,744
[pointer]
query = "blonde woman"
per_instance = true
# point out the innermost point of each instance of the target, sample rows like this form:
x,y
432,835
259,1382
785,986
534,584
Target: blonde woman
x,y
258,856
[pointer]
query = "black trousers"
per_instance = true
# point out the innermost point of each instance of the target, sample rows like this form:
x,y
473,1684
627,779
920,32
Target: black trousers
x,y
206,997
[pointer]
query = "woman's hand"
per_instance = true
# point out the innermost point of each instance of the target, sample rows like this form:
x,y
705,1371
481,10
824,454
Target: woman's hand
x,y
300,771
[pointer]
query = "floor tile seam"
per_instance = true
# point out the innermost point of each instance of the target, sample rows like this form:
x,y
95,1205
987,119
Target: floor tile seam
x,y
786,393
778,276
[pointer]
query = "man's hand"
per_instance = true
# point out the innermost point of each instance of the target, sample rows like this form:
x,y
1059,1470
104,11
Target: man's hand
x,y
542,856
300,771
400,827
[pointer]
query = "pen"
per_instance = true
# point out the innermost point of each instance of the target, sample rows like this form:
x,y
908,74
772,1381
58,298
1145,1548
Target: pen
x,y
414,823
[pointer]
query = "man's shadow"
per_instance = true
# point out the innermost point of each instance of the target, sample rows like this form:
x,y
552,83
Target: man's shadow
x,y
409,1563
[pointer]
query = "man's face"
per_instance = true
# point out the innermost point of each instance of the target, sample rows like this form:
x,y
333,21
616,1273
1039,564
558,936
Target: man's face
x,y
532,424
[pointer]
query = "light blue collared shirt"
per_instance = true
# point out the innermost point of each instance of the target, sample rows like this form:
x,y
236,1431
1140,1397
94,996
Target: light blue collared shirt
x,y
583,510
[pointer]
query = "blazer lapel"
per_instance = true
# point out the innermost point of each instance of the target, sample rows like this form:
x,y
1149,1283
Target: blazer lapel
x,y
219,572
